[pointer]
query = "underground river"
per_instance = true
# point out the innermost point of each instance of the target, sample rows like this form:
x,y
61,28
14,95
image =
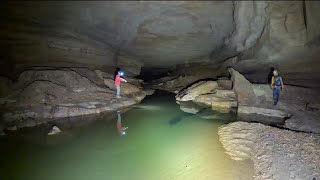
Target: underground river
x,y
161,143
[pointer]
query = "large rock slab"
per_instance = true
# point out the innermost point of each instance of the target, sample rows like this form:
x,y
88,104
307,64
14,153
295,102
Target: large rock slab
x,y
202,87
204,100
277,154
223,105
263,115
226,84
242,88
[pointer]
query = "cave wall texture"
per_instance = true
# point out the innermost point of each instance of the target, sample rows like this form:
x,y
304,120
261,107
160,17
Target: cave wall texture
x,y
249,36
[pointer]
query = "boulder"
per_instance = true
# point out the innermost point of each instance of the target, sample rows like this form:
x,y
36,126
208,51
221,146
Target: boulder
x,y
222,101
242,88
225,93
223,105
204,100
263,115
225,83
189,107
202,87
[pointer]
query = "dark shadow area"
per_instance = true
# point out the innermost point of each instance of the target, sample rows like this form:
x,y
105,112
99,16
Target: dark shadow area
x,y
270,74
115,73
149,73
162,93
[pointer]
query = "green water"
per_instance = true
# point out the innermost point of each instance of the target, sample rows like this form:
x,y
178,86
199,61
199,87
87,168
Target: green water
x,y
161,143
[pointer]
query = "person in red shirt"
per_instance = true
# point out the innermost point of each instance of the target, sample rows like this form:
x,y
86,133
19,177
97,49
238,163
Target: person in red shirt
x,y
117,82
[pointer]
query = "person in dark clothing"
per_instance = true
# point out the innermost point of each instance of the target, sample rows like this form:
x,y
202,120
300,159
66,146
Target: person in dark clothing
x,y
116,73
276,85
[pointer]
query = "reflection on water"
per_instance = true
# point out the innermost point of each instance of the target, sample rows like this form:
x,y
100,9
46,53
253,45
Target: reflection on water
x,y
162,143
121,129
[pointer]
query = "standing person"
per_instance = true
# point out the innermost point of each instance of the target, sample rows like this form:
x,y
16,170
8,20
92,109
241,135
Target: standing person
x,y
117,82
276,85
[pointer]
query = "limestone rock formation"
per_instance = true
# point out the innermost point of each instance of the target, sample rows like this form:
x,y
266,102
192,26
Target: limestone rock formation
x,y
202,87
249,36
189,107
208,100
277,154
224,105
225,83
204,100
131,66
222,101
262,115
44,94
242,88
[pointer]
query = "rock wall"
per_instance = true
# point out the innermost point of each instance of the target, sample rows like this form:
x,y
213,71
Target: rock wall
x,y
260,34
46,94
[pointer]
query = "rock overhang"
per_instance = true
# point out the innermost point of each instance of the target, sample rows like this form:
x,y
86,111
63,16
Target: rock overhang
x,y
156,32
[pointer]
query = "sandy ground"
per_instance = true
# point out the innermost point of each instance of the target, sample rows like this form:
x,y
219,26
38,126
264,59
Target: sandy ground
x,y
277,154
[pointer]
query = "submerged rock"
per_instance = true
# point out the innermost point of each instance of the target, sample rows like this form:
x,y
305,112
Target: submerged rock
x,y
54,130
211,114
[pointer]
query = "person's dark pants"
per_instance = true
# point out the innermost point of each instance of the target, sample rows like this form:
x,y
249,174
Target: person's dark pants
x,y
276,94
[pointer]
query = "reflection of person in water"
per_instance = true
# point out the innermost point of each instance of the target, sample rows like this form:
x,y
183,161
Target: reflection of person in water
x,y
121,130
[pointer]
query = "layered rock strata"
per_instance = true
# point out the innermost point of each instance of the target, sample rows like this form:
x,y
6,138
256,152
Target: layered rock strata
x,y
277,154
44,94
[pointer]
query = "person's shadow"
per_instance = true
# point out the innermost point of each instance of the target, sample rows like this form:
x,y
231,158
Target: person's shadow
x,y
270,74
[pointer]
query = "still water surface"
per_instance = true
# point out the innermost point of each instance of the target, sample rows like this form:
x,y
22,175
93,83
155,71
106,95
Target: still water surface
x,y
161,143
